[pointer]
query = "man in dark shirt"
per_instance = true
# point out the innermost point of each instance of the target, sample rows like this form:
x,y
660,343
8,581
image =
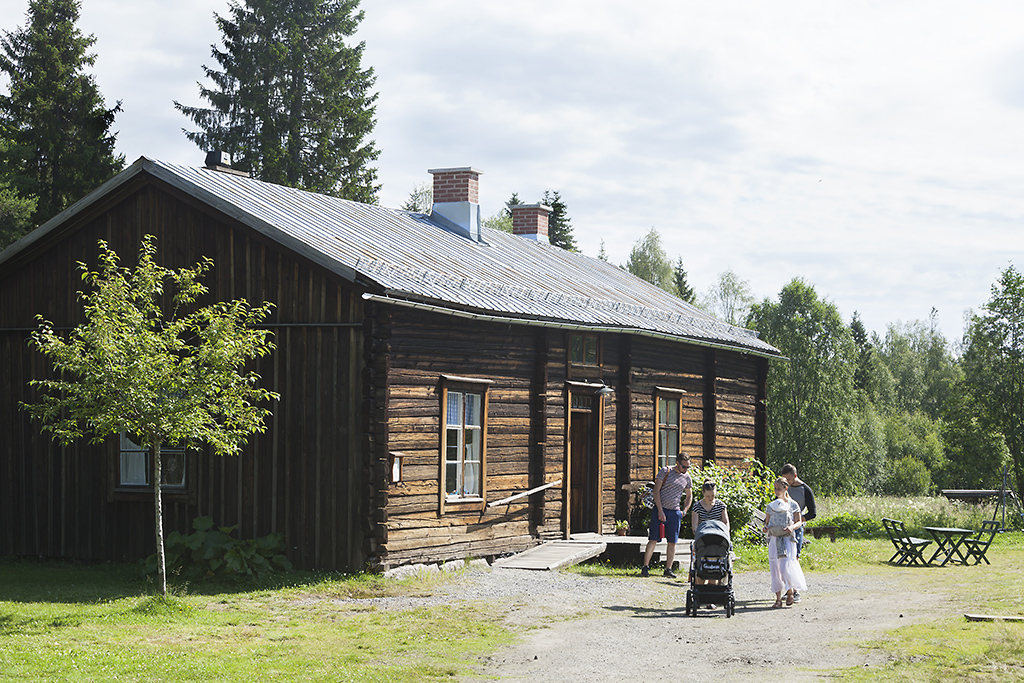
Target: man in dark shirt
x,y
804,497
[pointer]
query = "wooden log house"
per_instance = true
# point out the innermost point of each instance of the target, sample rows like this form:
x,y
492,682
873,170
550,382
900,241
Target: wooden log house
x,y
447,390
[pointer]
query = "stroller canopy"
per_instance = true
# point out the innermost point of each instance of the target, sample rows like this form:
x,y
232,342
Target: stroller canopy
x,y
712,532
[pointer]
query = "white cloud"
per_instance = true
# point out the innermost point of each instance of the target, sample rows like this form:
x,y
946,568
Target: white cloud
x,y
872,148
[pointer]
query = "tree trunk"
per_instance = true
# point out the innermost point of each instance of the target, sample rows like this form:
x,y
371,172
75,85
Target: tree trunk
x,y
161,567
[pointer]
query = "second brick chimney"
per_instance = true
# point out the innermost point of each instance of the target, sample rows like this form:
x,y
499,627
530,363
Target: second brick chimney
x,y
530,221
457,198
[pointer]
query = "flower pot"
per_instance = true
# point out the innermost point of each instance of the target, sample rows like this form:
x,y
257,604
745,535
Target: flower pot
x,y
621,532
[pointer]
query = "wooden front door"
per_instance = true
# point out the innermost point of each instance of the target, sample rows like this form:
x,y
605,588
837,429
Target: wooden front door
x,y
584,466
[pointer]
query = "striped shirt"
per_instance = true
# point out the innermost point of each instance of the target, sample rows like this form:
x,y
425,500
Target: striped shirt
x,y
673,486
714,514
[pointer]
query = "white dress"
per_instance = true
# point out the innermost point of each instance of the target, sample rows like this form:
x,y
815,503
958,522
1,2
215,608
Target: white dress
x,y
785,570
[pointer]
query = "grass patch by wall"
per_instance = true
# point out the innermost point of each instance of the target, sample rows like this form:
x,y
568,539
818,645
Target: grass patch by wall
x,y
70,622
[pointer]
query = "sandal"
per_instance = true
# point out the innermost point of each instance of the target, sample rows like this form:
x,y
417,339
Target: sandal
x,y
778,603
789,599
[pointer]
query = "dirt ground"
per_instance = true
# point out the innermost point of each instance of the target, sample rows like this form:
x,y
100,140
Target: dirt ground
x,y
577,628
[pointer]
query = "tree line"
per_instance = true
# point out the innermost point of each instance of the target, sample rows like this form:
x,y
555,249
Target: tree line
x,y
906,412
290,102
901,412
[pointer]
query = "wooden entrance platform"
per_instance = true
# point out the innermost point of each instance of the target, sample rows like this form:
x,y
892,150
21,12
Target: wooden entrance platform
x,y
581,547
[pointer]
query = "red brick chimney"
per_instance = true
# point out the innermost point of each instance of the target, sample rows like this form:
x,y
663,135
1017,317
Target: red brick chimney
x,y
457,198
530,221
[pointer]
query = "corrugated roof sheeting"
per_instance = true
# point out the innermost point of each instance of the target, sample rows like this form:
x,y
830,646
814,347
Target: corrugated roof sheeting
x,y
409,256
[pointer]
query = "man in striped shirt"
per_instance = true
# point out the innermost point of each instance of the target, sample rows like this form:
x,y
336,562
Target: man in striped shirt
x,y
669,486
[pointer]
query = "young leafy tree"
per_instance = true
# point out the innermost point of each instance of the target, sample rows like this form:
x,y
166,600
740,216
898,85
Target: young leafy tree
x,y
15,215
812,405
993,363
174,379
602,255
560,232
729,299
648,261
291,102
54,118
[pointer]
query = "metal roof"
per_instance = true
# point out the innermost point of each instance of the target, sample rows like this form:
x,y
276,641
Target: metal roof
x,y
414,259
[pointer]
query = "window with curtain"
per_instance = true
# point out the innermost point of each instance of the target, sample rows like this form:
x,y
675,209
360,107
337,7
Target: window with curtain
x,y
135,465
463,456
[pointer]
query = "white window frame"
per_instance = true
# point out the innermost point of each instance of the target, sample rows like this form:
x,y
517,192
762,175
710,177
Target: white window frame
x,y
463,456
662,447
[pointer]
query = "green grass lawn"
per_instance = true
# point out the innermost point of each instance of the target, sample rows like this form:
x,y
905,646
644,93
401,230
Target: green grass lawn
x,y
64,621
70,622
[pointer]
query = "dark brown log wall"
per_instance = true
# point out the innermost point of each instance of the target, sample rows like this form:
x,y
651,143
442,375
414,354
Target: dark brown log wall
x,y
303,477
426,346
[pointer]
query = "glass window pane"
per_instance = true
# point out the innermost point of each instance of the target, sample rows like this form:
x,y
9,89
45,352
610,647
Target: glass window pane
x,y
472,409
134,466
673,412
471,486
590,357
172,468
451,478
576,348
454,416
672,447
472,445
452,445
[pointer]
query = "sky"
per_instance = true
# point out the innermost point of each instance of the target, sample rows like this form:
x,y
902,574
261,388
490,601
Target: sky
x,y
873,149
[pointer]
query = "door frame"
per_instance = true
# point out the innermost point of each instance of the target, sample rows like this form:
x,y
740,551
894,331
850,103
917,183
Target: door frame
x,y
596,455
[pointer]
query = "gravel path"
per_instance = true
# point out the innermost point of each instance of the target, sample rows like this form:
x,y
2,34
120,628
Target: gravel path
x,y
577,628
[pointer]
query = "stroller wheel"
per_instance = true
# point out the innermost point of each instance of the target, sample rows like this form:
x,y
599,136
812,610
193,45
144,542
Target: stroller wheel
x,y
690,611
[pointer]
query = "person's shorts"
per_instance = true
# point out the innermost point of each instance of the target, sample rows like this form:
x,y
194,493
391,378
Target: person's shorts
x,y
673,518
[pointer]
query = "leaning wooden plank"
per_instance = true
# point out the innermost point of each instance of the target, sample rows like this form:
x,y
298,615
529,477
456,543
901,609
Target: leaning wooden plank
x,y
553,555
990,617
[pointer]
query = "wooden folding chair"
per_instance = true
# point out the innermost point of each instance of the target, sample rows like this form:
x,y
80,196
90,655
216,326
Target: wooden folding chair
x,y
977,546
909,550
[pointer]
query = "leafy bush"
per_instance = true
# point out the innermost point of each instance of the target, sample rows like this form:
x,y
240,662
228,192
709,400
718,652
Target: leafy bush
x,y
212,551
743,490
850,526
909,477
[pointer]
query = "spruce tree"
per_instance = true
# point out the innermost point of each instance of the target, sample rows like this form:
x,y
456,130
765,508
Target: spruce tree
x,y
291,102
560,231
54,118
683,289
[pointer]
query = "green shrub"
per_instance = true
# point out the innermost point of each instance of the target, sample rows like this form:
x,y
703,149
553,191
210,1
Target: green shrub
x,y
743,490
211,551
850,526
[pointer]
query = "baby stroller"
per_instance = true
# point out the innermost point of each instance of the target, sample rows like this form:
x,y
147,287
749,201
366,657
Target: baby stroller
x,y
711,559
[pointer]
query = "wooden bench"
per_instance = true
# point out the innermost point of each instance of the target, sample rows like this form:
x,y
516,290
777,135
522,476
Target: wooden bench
x,y
909,550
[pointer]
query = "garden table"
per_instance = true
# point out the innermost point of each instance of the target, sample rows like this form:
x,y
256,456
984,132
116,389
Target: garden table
x,y
948,541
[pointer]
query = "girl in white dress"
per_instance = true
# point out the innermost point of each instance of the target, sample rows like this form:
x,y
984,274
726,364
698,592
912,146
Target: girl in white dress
x,y
781,518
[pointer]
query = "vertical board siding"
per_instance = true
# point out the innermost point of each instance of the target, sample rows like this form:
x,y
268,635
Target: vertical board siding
x,y
296,478
735,400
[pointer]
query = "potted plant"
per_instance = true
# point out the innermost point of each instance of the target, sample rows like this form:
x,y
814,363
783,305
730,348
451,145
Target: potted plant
x,y
621,527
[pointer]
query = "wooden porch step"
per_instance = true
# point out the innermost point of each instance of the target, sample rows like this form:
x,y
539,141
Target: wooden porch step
x,y
553,555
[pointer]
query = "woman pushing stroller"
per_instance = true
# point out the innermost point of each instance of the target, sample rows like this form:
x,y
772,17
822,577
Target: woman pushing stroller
x,y
781,518
705,509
